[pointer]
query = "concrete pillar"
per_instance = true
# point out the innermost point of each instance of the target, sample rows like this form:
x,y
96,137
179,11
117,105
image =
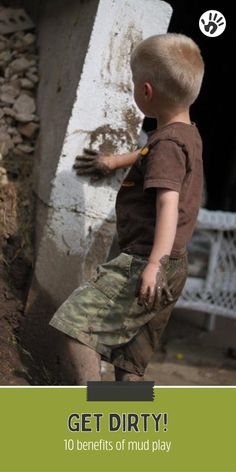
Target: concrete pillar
x,y
80,218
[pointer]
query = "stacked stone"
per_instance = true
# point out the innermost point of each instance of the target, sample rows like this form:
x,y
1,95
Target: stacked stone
x,y
18,82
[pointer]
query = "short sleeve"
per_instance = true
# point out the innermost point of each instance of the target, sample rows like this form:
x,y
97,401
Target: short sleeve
x,y
165,166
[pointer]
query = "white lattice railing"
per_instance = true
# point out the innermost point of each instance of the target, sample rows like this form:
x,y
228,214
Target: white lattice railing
x,y
216,292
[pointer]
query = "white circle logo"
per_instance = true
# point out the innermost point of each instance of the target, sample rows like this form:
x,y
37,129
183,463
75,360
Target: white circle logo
x,y
212,23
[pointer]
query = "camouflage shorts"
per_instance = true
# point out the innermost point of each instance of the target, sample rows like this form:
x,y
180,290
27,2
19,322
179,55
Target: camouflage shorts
x,y
104,314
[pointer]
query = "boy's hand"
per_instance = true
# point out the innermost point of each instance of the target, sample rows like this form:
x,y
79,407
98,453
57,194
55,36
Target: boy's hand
x,y
152,283
92,162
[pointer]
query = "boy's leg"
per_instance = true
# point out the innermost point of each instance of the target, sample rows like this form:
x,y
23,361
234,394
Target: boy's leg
x,y
137,353
81,362
123,375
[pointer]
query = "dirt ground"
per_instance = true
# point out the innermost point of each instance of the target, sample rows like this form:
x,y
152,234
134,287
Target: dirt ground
x,y
189,355
16,261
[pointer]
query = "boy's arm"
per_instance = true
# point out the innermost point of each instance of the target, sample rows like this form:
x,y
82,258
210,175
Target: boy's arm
x,y
119,161
92,162
153,279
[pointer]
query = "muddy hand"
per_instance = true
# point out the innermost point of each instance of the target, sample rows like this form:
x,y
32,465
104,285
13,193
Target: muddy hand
x,y
153,284
92,163
162,282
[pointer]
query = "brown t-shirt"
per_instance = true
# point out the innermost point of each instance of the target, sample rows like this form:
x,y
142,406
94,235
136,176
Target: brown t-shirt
x,y
174,162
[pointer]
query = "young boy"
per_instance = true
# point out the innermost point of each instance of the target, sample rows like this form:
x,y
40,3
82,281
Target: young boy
x,y
119,314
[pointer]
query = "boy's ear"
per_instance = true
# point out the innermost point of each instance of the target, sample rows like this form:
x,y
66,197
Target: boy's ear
x,y
148,91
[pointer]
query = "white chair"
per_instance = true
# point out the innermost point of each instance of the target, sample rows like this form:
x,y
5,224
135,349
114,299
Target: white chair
x,y
214,290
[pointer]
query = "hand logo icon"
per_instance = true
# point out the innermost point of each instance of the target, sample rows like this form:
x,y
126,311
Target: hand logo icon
x,y
212,23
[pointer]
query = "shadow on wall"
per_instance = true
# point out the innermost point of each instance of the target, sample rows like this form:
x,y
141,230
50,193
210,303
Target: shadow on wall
x,y
67,271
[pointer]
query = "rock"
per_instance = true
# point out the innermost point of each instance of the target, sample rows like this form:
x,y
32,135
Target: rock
x,y
9,112
2,171
9,93
17,139
5,56
7,98
27,84
33,71
15,82
19,65
14,77
24,108
25,148
3,38
35,118
9,120
5,143
12,131
2,46
18,35
3,176
28,130
15,54
3,127
1,113
3,180
24,43
18,45
7,73
29,39
34,78
33,64
25,104
17,152
26,203
22,118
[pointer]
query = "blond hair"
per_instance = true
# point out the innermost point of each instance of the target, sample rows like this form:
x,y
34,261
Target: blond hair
x,y
173,64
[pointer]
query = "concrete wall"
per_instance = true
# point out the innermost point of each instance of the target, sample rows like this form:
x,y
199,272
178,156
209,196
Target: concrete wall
x,y
78,224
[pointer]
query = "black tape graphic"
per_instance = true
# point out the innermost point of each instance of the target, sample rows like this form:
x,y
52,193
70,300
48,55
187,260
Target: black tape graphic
x,y
120,391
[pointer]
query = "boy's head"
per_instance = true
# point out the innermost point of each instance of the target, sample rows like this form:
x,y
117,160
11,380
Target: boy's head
x,y
172,65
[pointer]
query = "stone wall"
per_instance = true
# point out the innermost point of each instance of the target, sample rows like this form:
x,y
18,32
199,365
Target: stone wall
x,y
19,122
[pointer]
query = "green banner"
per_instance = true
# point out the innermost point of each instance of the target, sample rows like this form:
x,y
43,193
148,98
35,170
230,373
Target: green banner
x,y
57,429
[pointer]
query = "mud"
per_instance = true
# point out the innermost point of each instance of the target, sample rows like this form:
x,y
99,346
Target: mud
x,y
106,139
16,260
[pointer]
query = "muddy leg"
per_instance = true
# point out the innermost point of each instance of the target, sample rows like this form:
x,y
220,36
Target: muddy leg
x,y
123,375
81,363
